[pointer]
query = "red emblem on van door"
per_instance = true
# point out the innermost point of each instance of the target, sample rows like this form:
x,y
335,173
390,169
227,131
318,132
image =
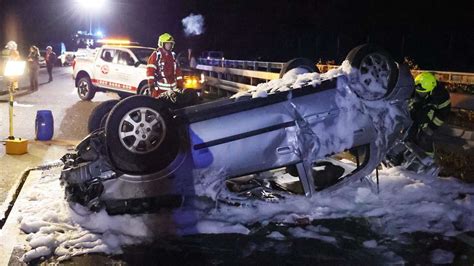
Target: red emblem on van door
x,y
104,69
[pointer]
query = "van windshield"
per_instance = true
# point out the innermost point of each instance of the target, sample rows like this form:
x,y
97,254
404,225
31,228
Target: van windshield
x,y
142,54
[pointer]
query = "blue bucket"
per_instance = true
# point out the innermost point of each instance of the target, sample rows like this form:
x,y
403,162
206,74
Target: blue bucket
x,y
44,125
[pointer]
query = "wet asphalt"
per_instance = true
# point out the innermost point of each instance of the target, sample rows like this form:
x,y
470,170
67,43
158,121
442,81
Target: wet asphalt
x,y
70,124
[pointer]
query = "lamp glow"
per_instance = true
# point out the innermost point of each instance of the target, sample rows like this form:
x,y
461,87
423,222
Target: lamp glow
x,y
14,68
91,4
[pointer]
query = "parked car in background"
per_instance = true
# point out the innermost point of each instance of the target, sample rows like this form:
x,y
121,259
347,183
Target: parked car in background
x,y
67,58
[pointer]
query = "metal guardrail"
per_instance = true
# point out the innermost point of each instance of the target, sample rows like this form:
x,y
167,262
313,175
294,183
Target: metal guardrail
x,y
449,77
233,76
274,67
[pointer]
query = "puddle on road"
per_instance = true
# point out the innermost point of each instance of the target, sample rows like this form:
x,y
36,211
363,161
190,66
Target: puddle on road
x,y
355,243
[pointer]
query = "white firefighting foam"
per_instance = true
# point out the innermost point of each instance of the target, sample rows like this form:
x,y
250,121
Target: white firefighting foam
x,y
407,202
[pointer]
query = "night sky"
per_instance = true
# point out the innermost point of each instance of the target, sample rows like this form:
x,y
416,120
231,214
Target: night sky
x,y
435,34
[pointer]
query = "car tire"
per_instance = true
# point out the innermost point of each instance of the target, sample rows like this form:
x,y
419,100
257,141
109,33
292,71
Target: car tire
x,y
144,90
99,115
140,135
85,89
377,71
304,64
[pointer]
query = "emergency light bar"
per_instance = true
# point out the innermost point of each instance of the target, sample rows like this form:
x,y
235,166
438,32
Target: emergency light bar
x,y
115,41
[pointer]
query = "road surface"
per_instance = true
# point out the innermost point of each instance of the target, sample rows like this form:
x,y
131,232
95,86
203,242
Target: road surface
x,y
70,125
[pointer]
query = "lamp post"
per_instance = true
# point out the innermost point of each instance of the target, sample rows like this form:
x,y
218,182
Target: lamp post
x,y
91,6
13,70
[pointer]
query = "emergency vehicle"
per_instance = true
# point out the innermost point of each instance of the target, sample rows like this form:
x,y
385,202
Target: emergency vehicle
x,y
118,66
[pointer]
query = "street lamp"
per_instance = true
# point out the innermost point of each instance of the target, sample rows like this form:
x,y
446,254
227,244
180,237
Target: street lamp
x,y
13,70
91,6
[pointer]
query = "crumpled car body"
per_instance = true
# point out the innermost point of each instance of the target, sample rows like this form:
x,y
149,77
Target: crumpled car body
x,y
192,151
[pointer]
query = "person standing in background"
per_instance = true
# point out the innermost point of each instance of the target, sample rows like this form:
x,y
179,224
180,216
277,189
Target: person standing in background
x,y
50,61
33,67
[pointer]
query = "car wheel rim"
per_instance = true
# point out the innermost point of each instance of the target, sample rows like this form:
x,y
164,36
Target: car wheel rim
x,y
83,88
375,70
146,91
142,130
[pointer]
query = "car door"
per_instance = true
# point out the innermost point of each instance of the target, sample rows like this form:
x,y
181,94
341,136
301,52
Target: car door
x,y
123,70
103,68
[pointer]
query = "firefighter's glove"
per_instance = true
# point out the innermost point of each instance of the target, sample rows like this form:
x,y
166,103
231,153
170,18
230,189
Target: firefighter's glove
x,y
425,134
169,96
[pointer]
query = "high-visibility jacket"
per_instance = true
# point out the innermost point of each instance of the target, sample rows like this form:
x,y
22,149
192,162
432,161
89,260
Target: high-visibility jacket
x,y
163,69
432,109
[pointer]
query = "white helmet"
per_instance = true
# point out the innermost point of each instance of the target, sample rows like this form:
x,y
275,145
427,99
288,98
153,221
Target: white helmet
x,y
49,48
11,45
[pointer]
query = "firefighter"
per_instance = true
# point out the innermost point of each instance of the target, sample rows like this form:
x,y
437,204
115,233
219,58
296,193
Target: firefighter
x,y
162,69
429,108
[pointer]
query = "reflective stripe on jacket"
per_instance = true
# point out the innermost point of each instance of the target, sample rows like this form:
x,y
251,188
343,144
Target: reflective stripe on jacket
x,y
162,67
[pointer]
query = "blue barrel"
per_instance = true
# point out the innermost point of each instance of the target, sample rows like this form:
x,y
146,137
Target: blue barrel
x,y
44,125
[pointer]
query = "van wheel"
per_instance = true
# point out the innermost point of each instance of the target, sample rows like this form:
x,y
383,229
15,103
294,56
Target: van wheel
x,y
376,73
144,90
140,135
99,115
85,89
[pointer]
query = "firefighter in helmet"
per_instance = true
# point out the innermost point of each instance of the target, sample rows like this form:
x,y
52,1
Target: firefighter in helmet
x,y
429,108
163,72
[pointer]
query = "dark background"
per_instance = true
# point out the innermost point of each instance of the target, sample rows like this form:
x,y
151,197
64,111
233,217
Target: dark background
x,y
437,35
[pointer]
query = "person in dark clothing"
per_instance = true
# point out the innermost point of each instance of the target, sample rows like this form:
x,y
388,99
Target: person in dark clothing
x,y
50,61
429,108
33,67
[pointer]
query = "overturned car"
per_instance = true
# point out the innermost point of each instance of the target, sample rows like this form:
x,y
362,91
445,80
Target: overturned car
x,y
149,154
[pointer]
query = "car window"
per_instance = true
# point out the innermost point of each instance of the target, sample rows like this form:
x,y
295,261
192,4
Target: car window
x,y
142,54
108,55
124,58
